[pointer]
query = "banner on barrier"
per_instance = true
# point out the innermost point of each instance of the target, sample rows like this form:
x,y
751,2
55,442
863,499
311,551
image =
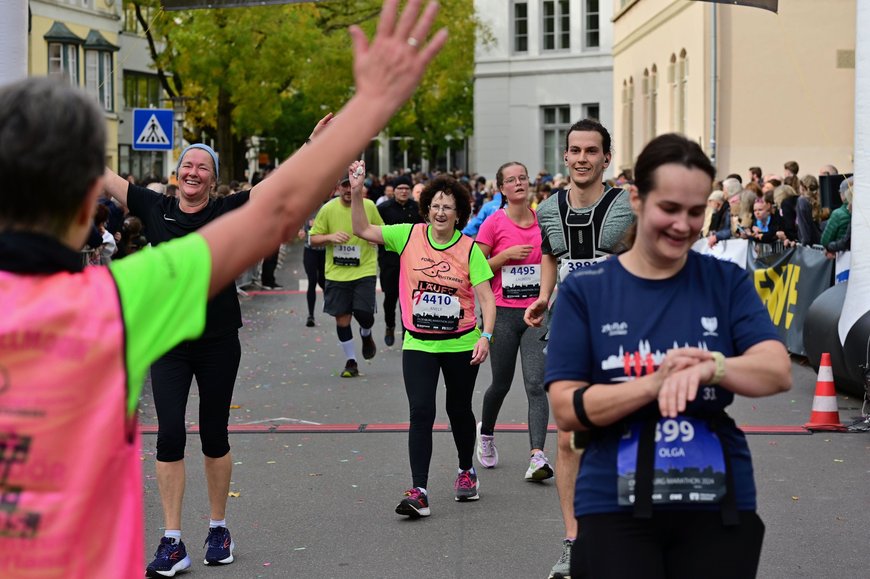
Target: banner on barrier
x,y
733,250
842,267
787,282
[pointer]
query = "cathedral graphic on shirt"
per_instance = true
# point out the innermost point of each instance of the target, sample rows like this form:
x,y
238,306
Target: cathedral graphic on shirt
x,y
641,361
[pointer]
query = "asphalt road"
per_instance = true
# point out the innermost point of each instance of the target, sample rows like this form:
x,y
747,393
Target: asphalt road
x,y
321,462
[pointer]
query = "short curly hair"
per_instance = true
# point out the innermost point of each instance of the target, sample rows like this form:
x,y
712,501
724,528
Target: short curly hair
x,y
447,186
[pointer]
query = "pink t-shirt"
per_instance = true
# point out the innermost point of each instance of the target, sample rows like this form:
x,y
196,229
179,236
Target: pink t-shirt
x,y
518,283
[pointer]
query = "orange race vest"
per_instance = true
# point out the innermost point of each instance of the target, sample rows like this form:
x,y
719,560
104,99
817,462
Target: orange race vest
x,y
70,464
435,288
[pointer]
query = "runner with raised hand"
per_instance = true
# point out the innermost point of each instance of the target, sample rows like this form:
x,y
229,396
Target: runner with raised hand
x,y
89,398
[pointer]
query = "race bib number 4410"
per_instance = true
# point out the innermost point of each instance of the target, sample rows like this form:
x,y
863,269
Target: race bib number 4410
x,y
689,464
433,311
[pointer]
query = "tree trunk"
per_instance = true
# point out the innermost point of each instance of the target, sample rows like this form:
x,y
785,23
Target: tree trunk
x,y
225,143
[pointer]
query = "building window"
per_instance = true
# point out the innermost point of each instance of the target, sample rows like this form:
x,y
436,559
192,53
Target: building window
x,y
372,157
682,87
99,77
141,91
63,61
141,164
628,122
672,85
556,120
405,154
131,23
592,111
653,101
556,20
521,27
592,30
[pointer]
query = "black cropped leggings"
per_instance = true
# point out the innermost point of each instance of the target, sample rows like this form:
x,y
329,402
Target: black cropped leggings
x,y
214,362
421,371
314,262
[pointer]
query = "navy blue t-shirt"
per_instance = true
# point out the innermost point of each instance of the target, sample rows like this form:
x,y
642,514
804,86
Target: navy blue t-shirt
x,y
610,326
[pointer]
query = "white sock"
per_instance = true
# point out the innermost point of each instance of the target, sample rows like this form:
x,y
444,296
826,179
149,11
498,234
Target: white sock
x,y
174,534
471,470
365,332
424,491
212,523
349,351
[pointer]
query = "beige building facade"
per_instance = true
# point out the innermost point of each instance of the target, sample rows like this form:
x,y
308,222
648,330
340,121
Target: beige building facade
x,y
752,87
77,41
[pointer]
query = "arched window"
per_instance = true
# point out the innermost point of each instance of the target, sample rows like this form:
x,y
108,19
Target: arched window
x,y
682,82
628,121
646,105
672,86
653,101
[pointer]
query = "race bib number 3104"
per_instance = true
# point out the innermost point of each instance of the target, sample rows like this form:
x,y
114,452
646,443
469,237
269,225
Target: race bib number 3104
x,y
689,464
347,255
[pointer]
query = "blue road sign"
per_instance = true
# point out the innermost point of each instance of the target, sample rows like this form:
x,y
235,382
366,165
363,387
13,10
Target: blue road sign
x,y
152,129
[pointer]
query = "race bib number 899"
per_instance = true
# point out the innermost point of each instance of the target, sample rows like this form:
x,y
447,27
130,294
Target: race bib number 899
x,y
689,463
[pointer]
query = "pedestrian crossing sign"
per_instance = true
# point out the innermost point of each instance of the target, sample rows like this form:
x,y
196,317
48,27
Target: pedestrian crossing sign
x,y
152,129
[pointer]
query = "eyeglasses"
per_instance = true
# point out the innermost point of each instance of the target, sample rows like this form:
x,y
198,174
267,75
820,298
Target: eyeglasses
x,y
512,180
444,208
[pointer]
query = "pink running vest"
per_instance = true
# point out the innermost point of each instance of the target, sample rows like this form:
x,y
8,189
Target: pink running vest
x,y
431,281
70,466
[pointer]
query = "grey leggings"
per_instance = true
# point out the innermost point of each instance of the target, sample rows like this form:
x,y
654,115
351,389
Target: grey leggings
x,y
511,334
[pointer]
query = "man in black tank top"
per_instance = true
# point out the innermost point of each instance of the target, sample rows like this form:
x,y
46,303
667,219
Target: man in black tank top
x,y
579,226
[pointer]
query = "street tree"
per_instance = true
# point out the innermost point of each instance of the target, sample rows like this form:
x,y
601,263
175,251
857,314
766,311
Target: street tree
x,y
273,71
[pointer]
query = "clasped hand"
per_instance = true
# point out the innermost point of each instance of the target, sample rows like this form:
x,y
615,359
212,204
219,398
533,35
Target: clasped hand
x,y
678,377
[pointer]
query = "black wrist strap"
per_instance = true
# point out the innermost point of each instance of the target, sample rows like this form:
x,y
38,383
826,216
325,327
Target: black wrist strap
x,y
580,409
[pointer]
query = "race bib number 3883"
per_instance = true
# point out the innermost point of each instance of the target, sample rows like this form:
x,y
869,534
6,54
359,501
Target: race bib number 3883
x,y
571,265
689,464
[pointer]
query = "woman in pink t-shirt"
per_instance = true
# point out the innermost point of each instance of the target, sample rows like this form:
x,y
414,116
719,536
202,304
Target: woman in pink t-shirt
x,y
511,241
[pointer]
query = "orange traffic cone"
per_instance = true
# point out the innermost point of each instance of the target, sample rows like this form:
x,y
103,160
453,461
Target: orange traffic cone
x,y
825,415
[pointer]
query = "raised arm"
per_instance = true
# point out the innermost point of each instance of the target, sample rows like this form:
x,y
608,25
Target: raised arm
x,y
361,226
318,128
115,185
387,70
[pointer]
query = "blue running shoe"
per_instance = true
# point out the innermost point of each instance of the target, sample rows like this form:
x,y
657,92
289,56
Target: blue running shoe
x,y
170,558
220,547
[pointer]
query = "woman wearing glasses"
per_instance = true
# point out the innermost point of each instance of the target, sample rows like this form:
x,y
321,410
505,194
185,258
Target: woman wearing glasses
x,y
441,271
511,241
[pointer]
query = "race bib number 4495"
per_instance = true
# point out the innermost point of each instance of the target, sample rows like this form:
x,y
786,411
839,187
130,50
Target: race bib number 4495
x,y
520,281
689,464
